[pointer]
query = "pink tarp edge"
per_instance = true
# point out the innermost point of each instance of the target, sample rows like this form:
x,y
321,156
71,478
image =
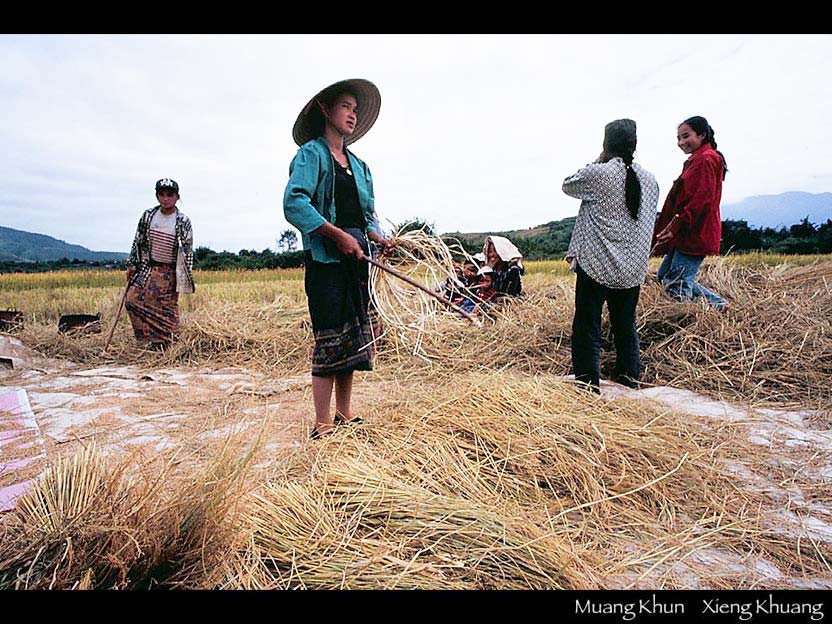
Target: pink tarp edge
x,y
16,410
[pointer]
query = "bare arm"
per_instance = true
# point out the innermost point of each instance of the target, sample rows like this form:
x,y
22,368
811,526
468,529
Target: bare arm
x,y
347,245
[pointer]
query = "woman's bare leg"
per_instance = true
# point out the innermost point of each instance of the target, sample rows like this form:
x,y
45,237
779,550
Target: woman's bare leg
x,y
322,397
343,395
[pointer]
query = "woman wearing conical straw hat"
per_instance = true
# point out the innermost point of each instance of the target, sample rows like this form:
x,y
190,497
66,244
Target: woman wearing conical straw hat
x,y
610,250
329,199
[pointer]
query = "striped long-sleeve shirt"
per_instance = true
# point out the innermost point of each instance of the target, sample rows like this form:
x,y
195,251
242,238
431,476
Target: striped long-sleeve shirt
x,y
140,254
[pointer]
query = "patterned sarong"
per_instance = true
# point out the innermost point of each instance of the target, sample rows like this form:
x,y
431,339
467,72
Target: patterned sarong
x,y
154,309
338,296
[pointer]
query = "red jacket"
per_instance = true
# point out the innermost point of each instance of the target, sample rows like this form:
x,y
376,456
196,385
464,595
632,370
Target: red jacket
x,y
694,198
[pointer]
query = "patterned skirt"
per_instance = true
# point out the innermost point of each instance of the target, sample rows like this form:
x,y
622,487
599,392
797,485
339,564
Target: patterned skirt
x,y
338,297
154,309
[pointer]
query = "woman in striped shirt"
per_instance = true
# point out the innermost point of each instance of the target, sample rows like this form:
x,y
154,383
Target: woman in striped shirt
x,y
160,266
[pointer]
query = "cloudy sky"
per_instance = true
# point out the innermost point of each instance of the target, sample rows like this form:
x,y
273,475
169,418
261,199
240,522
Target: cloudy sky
x,y
475,133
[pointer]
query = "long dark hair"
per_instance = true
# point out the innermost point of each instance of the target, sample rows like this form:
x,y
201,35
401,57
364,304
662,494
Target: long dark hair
x,y
700,125
620,140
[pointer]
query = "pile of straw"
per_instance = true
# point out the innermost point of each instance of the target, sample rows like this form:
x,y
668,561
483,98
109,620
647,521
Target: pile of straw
x,y
511,483
274,336
773,345
467,481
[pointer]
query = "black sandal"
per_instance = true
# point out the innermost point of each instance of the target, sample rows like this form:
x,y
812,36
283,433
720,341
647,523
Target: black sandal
x,y
340,420
317,435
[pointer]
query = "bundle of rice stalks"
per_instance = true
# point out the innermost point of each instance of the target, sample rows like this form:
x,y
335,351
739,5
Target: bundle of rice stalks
x,y
92,523
529,333
406,311
362,527
276,336
518,482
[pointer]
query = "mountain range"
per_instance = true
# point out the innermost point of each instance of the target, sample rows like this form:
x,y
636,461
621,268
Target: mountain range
x,y
759,211
20,246
776,211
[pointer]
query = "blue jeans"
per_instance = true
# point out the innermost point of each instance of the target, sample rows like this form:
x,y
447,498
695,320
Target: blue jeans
x,y
677,274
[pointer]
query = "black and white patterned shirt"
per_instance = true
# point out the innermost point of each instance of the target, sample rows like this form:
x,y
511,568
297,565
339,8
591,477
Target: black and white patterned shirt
x,y
608,244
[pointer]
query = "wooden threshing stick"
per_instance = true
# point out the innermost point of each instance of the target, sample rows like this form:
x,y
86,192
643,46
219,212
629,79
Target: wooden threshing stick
x,y
118,314
412,282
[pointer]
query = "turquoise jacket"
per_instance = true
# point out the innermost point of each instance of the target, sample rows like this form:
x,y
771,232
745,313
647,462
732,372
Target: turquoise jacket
x,y
309,199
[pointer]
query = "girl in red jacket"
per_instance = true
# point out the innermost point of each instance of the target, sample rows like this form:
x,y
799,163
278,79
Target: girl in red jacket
x,y
689,226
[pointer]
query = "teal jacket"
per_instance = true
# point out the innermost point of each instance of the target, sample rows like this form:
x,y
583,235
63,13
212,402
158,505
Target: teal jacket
x,y
309,198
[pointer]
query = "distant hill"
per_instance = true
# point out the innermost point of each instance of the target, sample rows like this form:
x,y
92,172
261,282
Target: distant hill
x,y
776,211
20,246
537,243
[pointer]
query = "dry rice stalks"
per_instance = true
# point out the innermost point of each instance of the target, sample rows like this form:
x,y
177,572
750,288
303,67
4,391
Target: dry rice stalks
x,y
522,482
407,313
774,345
358,526
93,524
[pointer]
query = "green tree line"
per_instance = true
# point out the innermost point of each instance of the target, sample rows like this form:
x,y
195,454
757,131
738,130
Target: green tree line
x,y
547,242
737,237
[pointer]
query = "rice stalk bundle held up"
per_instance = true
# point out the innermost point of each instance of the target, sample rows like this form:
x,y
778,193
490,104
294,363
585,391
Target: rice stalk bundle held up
x,y
407,313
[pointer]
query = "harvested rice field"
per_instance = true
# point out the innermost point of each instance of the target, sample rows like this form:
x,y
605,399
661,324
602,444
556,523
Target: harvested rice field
x,y
479,464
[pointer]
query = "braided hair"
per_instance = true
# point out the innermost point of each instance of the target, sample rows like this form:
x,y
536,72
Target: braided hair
x,y
701,126
620,140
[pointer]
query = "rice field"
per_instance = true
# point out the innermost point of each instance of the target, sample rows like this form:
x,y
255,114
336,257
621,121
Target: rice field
x,y
45,296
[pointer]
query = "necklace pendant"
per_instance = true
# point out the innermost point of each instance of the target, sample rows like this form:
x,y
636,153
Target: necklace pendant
x,y
348,171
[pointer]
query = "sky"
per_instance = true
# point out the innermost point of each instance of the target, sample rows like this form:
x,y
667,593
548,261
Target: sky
x,y
475,133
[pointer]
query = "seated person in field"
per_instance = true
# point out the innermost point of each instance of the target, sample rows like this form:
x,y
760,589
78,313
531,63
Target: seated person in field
x,y
506,261
484,290
466,277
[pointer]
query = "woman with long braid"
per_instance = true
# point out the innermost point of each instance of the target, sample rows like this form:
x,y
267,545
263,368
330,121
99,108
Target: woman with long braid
x,y
609,251
689,226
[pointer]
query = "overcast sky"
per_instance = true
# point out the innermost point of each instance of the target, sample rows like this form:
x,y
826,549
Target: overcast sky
x,y
475,133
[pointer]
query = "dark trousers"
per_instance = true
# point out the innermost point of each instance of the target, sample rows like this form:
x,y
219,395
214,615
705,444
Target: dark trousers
x,y
586,331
